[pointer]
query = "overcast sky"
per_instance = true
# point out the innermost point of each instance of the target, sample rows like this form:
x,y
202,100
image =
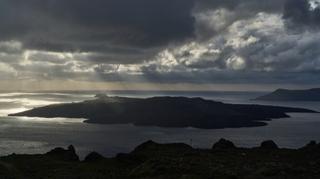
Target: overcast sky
x,y
159,44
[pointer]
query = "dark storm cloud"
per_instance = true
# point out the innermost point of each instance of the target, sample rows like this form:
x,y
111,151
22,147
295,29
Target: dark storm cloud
x,y
95,25
169,41
300,14
247,6
59,25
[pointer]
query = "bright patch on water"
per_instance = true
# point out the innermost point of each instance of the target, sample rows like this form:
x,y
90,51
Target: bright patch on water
x,y
6,112
54,120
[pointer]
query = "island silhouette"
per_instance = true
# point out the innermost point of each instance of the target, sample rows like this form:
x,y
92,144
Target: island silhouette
x,y
165,112
292,95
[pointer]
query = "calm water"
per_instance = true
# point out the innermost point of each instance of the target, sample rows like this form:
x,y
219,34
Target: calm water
x,y
38,135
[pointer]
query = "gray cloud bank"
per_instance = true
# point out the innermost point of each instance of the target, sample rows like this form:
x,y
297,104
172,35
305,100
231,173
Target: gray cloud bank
x,y
165,41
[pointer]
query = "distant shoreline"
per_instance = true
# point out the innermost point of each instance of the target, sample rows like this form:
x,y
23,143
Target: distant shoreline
x,y
311,95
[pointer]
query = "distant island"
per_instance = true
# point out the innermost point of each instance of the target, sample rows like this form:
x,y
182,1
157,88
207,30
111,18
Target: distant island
x,y
170,161
165,112
292,95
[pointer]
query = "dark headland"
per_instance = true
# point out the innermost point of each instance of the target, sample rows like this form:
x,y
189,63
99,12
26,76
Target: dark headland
x,y
170,161
165,112
292,95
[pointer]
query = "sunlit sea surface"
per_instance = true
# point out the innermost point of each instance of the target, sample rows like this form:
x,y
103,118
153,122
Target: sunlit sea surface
x,y
39,135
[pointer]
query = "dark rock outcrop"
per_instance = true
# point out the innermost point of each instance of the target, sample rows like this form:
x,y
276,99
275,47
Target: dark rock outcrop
x,y
269,145
152,148
312,145
101,96
93,157
223,144
64,154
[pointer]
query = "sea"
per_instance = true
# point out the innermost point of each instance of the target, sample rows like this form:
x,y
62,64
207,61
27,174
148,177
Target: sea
x,y
31,135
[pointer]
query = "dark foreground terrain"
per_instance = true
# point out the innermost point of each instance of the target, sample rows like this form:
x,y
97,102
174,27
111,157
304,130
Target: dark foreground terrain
x,y
151,160
165,112
292,95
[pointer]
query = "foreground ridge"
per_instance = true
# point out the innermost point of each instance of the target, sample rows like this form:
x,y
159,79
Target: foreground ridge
x,y
156,161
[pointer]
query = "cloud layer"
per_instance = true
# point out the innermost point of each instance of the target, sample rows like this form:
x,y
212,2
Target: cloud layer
x,y
161,41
